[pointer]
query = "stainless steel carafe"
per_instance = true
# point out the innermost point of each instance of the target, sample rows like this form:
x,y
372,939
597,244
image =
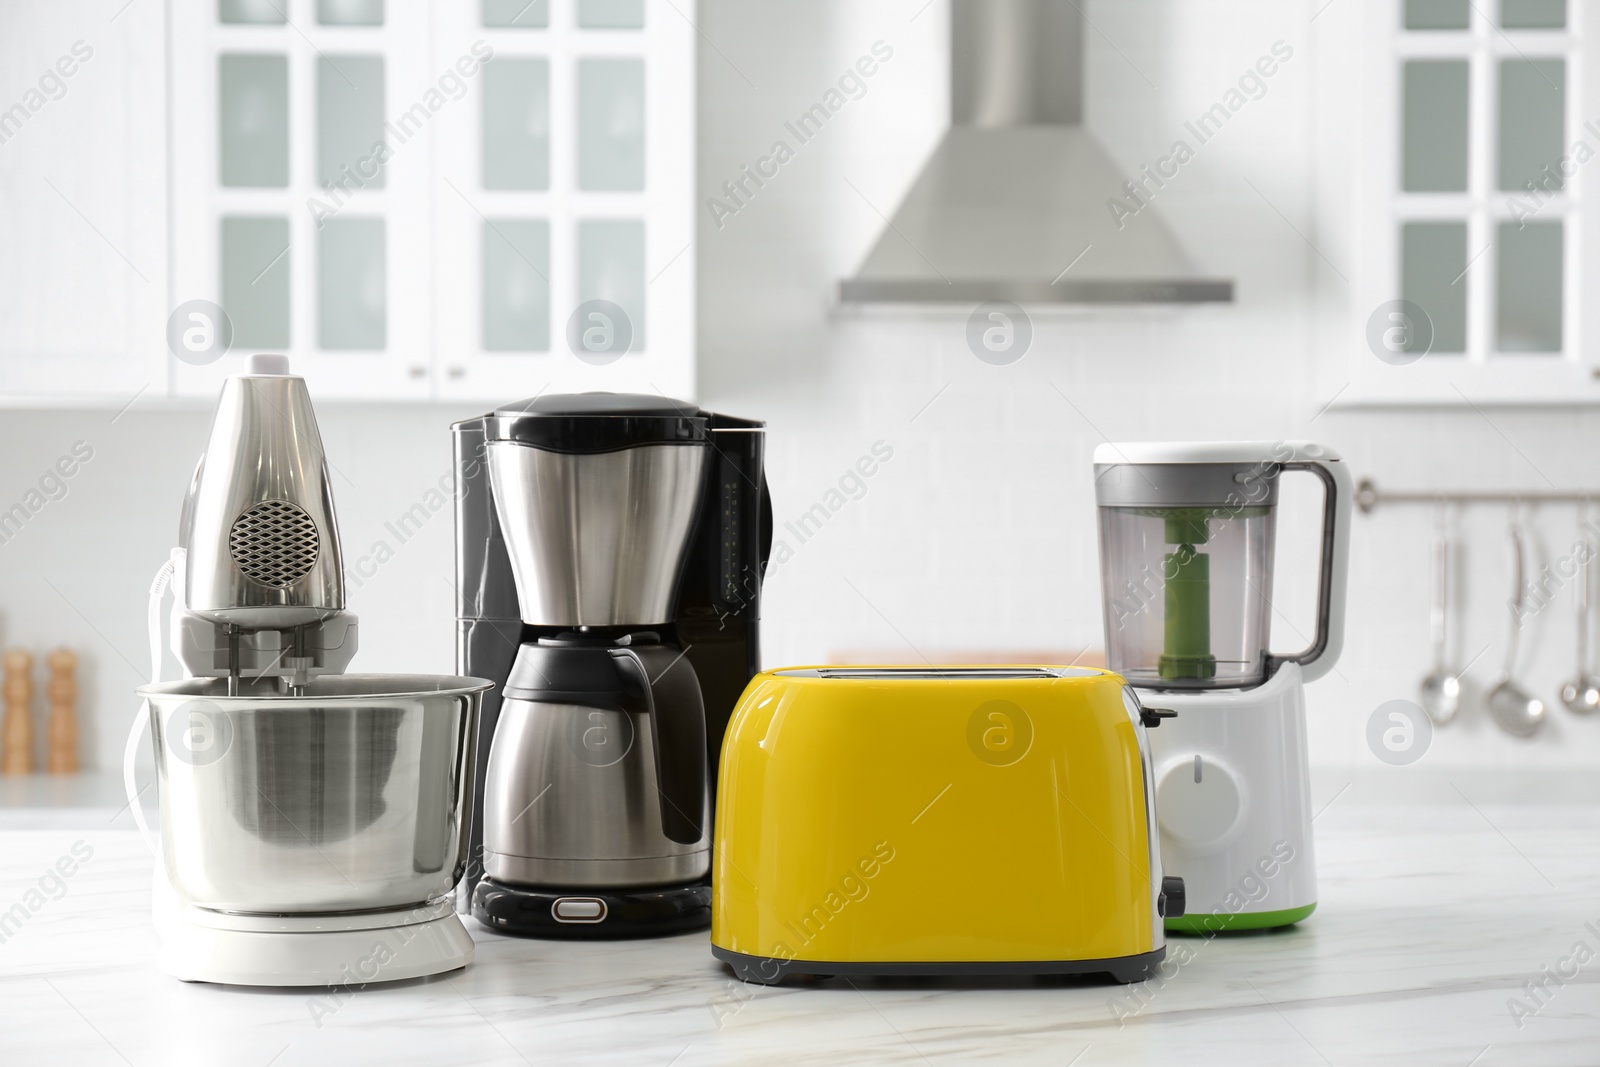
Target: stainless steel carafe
x,y
597,774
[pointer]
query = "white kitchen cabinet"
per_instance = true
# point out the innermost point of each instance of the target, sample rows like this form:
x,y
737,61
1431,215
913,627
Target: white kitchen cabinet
x,y
83,285
265,117
1455,178
361,186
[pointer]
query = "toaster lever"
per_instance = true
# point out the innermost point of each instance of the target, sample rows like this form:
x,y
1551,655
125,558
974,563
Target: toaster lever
x,y
1151,717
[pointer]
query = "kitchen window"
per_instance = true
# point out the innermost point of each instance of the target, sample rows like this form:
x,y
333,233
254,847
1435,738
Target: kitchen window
x,y
1482,150
457,199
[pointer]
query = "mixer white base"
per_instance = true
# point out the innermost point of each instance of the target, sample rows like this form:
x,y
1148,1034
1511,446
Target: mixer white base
x,y
1233,795
343,952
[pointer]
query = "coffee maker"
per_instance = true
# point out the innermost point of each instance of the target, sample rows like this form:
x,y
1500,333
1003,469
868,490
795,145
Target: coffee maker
x,y
609,554
1187,538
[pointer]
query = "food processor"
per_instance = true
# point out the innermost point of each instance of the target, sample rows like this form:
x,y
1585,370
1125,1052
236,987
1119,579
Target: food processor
x,y
1187,537
312,822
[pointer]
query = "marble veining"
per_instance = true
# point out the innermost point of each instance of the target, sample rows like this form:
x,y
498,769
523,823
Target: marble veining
x,y
1432,918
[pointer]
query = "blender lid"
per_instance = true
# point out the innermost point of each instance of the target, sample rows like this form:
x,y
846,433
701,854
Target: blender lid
x,y
597,422
1197,474
1140,452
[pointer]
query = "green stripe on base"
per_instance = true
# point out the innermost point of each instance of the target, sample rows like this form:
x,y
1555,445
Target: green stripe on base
x,y
1244,920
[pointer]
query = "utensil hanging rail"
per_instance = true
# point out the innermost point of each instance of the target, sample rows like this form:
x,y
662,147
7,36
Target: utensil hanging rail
x,y
1369,496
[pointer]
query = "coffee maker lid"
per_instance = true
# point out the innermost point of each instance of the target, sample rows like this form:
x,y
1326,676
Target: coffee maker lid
x,y
598,422
569,404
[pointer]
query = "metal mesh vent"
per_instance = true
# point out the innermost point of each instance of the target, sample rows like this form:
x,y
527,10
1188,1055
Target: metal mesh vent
x,y
274,542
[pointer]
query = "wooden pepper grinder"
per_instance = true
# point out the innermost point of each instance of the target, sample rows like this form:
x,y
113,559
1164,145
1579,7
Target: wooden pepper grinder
x,y
61,730
16,729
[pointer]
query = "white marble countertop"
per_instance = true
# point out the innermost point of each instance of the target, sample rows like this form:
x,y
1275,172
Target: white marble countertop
x,y
1435,911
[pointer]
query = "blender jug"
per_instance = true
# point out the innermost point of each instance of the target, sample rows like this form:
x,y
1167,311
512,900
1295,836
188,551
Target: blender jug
x,y
1187,539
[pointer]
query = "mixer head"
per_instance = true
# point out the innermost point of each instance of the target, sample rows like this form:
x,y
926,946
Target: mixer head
x,y
263,569
258,525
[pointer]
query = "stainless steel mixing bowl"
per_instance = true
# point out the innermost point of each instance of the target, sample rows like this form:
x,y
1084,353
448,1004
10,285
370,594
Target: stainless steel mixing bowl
x,y
352,797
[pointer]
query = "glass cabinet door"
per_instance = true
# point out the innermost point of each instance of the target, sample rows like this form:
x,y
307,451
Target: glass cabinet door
x,y
300,178
472,198
1477,223
564,199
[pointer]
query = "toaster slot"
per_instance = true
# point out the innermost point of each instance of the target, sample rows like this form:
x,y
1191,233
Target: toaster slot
x,y
987,674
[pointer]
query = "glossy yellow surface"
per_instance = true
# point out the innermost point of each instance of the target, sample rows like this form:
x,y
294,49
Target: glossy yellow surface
x,y
932,820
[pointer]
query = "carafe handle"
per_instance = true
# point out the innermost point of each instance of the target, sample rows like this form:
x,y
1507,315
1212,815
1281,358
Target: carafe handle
x,y
1338,490
671,695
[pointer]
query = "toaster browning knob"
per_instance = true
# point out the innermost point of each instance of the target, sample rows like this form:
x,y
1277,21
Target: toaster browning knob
x,y
1173,899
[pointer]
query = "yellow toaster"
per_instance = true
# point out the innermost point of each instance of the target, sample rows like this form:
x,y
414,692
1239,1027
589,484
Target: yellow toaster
x,y
938,820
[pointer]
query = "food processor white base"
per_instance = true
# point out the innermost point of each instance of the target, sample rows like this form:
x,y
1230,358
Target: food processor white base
x,y
346,952
1233,796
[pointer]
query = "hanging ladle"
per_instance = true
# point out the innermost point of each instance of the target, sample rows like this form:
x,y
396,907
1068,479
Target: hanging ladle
x,y
1517,711
1441,689
1582,695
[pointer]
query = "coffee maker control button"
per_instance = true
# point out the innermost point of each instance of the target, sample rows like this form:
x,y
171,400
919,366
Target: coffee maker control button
x,y
578,910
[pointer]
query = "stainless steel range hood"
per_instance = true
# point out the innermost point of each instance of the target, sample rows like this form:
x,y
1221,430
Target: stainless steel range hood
x,y
1013,205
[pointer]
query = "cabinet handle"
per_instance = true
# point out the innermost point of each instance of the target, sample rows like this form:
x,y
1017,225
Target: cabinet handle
x,y
419,372
458,372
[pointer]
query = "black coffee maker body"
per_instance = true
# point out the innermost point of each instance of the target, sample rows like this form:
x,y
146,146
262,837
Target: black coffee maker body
x,y
609,553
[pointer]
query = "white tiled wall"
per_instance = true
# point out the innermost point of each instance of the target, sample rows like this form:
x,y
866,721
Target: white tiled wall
x,y
978,533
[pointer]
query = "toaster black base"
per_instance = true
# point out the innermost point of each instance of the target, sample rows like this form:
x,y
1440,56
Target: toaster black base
x,y
513,909
769,970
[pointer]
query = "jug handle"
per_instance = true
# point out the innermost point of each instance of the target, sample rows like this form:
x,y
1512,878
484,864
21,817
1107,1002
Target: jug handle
x,y
678,730
1319,657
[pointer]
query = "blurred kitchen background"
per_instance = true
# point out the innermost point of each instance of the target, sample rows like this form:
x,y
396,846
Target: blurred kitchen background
x,y
976,537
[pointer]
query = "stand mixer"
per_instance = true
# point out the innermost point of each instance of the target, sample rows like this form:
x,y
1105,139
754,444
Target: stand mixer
x,y
313,823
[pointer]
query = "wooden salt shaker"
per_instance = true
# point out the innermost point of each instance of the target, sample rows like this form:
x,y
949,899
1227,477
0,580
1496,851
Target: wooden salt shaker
x,y
61,729
16,729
